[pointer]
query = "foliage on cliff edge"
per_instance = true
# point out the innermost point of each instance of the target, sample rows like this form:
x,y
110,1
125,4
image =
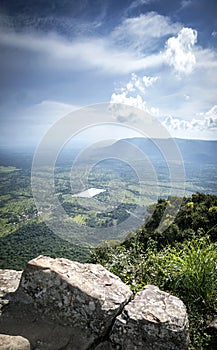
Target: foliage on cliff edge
x,y
181,260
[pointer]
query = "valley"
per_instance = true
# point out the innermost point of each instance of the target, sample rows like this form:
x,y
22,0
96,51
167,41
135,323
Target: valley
x,y
98,199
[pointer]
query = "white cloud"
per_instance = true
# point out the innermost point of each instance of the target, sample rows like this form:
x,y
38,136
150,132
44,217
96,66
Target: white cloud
x,y
140,32
149,81
186,3
166,93
122,98
206,59
206,127
176,124
179,51
138,3
214,34
138,93
139,84
211,118
117,52
132,93
85,53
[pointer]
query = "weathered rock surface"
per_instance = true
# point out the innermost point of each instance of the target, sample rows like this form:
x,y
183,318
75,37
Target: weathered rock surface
x,y
79,301
8,342
9,281
154,320
65,305
82,295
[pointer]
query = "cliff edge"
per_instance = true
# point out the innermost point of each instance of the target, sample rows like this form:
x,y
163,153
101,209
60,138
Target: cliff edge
x,y
58,304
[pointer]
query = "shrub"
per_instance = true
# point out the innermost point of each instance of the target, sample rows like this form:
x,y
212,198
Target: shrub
x,y
192,272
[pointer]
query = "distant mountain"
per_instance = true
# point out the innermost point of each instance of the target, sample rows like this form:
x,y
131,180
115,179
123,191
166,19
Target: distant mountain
x,y
155,150
197,151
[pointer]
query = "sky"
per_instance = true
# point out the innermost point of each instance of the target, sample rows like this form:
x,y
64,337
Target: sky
x,y
60,55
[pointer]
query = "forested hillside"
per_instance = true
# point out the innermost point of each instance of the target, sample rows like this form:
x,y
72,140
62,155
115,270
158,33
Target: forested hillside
x,y
33,239
181,260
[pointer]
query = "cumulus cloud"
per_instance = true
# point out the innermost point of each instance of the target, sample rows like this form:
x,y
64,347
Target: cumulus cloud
x,y
179,51
211,118
140,84
208,123
176,123
148,81
133,93
123,98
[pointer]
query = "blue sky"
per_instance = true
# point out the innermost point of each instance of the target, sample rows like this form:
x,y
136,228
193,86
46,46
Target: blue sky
x,y
59,55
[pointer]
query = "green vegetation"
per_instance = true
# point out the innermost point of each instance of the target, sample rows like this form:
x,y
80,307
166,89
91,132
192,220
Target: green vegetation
x,y
35,239
181,260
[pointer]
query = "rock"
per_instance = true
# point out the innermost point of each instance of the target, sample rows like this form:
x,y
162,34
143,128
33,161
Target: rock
x,y
9,342
9,281
86,296
154,320
65,305
212,327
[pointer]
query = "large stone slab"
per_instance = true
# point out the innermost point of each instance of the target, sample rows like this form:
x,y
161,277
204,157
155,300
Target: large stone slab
x,y
73,294
154,320
9,342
